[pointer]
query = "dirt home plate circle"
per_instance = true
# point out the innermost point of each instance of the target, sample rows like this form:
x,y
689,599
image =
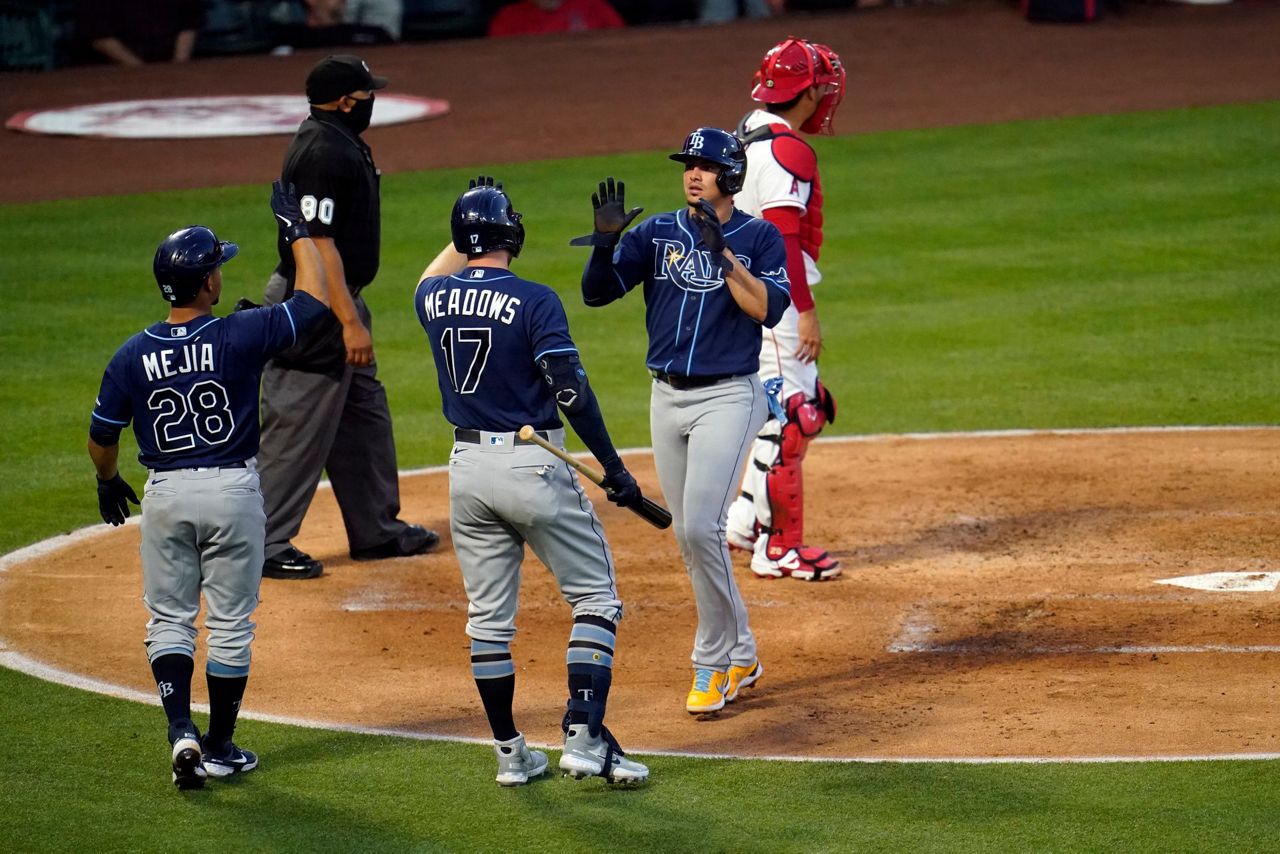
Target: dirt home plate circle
x,y
189,118
1021,594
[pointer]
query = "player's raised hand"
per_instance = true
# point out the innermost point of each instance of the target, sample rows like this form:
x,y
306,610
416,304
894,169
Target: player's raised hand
x,y
704,216
114,496
284,204
484,181
611,215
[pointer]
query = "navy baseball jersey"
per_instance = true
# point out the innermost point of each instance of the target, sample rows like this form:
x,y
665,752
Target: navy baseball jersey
x,y
695,326
488,328
191,390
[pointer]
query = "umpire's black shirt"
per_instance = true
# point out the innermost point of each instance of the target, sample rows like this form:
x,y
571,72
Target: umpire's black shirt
x,y
337,186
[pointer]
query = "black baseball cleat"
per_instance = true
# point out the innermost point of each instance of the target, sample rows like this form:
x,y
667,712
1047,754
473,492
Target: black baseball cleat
x,y
226,759
292,563
188,770
414,540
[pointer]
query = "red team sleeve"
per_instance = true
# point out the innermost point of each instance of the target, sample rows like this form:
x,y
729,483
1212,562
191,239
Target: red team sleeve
x,y
787,219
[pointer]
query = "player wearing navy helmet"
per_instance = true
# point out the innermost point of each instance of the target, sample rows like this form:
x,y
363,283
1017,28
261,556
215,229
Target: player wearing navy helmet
x,y
189,386
712,277
504,359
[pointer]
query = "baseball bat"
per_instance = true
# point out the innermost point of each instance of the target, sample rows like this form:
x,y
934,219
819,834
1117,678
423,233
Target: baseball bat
x,y
649,510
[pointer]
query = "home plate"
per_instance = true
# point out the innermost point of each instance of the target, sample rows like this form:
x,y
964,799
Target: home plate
x,y
1231,582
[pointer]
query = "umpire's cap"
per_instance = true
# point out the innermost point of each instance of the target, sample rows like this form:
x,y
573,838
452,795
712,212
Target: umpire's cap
x,y
186,258
717,146
338,75
484,221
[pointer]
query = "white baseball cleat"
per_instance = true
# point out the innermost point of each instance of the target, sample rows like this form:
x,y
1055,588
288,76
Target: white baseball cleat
x,y
517,763
600,756
805,563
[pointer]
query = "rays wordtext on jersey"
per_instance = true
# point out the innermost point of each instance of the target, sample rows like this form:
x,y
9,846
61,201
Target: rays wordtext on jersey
x,y
471,302
689,269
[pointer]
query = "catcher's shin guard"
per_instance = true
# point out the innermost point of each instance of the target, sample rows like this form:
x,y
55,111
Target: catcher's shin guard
x,y
784,483
781,551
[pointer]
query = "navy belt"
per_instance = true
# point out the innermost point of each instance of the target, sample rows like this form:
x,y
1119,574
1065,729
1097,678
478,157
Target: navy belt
x,y
682,383
238,465
472,437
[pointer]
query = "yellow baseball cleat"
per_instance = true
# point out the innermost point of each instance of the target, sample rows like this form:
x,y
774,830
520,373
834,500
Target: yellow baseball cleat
x,y
741,677
708,691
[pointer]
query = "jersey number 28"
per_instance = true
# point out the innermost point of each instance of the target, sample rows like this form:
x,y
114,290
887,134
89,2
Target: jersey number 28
x,y
207,401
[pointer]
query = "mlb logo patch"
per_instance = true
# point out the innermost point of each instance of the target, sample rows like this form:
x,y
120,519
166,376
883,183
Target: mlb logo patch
x,y
178,331
497,440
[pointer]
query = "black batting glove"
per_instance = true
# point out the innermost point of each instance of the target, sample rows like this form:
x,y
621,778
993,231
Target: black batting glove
x,y
113,499
284,204
704,216
484,181
612,216
620,487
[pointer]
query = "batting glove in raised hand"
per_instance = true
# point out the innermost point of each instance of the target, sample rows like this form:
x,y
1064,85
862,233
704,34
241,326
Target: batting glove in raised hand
x,y
620,487
484,181
704,216
612,216
114,496
284,204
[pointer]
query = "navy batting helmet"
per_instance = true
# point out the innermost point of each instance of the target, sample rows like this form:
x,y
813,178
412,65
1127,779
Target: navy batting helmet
x,y
186,258
484,221
717,146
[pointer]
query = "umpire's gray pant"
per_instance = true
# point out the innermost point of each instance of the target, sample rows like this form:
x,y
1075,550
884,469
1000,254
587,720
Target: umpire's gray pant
x,y
336,423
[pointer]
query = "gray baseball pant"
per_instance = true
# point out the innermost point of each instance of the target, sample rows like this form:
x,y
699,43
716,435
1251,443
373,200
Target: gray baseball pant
x,y
202,532
701,437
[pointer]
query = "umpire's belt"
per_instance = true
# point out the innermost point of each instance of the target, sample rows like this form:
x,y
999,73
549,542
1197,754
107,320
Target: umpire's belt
x,y
487,437
682,383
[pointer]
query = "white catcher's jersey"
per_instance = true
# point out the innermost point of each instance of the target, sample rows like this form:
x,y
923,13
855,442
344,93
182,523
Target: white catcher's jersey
x,y
770,185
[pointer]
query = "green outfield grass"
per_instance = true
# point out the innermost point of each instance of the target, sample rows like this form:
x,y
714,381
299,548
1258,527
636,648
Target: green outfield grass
x,y
1096,271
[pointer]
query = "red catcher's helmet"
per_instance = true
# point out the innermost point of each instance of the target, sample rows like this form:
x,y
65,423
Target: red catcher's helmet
x,y
794,65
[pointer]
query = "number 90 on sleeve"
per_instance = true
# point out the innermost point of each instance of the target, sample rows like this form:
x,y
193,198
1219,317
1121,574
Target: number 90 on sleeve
x,y
313,209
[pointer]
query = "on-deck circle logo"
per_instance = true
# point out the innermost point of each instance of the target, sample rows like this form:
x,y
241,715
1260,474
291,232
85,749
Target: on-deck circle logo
x,y
217,116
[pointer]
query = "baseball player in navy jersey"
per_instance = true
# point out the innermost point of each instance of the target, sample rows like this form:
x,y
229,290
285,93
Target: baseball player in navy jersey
x,y
799,84
712,277
504,359
189,386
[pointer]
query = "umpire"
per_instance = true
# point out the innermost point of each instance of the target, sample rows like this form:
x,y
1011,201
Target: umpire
x,y
323,406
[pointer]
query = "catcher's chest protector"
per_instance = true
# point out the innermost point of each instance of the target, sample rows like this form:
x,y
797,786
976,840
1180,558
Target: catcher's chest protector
x,y
1062,11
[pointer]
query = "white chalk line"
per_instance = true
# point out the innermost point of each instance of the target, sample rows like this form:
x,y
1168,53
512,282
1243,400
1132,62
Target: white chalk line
x,y
23,664
29,666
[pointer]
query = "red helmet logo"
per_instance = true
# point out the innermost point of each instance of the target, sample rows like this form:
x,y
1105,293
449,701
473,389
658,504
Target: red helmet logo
x,y
794,65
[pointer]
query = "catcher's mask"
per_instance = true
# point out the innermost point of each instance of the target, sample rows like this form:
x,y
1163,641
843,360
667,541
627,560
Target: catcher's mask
x,y
484,221
186,258
721,147
794,65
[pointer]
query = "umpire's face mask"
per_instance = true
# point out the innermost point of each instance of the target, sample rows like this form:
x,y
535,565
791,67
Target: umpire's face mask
x,y
358,119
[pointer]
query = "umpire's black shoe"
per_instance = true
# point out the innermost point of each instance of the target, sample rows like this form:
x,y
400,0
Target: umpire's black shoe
x,y
292,563
414,540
